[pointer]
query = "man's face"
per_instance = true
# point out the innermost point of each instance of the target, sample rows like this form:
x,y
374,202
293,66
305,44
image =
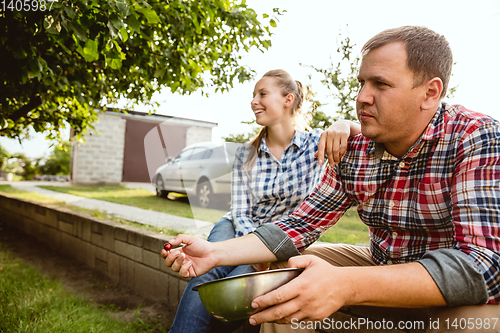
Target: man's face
x,y
388,106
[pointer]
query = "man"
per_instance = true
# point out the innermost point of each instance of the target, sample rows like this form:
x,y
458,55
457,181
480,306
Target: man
x,y
426,179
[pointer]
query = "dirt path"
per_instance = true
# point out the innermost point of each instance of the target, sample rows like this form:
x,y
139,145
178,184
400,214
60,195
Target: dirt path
x,y
79,279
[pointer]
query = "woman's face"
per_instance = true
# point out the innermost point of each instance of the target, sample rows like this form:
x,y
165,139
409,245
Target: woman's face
x,y
268,104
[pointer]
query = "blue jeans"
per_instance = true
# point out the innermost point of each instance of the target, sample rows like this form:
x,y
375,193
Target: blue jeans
x,y
191,315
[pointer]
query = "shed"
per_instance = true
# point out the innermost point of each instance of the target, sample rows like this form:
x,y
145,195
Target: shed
x,y
128,146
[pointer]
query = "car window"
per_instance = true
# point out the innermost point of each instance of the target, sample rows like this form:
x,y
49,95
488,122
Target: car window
x,y
201,154
183,155
231,147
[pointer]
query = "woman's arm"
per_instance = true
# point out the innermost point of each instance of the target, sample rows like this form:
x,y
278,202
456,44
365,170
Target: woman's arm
x,y
333,141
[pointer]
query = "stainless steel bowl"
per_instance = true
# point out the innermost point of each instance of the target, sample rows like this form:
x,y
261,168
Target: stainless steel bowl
x,y
231,298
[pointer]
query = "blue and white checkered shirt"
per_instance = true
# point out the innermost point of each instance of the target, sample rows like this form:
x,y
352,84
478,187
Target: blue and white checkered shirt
x,y
272,189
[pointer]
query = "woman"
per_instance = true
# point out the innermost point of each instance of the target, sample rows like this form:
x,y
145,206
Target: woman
x,y
271,177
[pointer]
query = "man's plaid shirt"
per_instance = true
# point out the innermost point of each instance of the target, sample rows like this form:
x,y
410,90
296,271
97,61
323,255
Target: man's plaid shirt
x,y
444,193
270,189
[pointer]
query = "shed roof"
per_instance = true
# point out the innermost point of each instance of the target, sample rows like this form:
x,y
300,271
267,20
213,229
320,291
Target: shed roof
x,y
160,118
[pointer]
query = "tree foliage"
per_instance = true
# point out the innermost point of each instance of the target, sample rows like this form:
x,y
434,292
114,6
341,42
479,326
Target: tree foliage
x,y
58,161
340,78
4,157
58,65
243,137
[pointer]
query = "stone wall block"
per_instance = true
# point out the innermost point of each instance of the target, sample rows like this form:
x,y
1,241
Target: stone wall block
x,y
67,227
151,259
97,228
151,283
42,214
135,237
52,238
100,254
127,272
84,230
121,234
10,217
173,290
82,251
128,251
114,267
154,242
96,239
101,266
17,206
31,227
108,237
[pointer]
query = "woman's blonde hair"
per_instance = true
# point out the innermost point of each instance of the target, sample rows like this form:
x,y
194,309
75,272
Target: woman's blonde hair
x,y
288,86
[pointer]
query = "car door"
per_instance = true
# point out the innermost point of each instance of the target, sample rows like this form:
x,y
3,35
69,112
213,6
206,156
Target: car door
x,y
223,158
172,174
191,168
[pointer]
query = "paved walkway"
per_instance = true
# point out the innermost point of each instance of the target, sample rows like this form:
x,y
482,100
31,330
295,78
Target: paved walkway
x,y
180,224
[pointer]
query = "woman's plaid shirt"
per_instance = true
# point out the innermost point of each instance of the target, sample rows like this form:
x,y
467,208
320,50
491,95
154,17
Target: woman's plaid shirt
x,y
268,189
444,193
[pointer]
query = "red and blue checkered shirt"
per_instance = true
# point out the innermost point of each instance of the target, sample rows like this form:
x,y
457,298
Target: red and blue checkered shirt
x,y
444,193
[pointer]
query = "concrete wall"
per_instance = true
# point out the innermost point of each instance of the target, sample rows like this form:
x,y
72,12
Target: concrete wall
x,y
197,134
99,160
128,255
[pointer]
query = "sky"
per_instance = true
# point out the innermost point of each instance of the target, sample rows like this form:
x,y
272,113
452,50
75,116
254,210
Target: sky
x,y
308,32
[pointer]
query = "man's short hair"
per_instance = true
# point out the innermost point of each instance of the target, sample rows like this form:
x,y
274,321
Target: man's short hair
x,y
429,54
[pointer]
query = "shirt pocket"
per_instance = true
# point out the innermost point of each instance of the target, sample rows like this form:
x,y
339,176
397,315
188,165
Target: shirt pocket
x,y
432,205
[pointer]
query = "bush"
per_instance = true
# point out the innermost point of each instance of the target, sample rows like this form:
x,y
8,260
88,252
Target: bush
x,y
58,161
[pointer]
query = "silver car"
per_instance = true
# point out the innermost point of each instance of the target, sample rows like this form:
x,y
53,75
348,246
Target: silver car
x,y
201,170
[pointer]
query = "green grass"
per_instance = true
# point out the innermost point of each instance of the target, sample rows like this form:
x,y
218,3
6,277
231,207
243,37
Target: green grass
x,y
32,196
143,199
349,229
28,195
31,302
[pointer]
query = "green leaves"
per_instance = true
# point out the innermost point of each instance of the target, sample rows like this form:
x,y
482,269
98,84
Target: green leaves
x,y
341,81
150,15
58,66
89,51
51,25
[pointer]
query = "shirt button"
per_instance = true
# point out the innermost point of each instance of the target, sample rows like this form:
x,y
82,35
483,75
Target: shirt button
x,y
389,262
401,164
391,204
394,234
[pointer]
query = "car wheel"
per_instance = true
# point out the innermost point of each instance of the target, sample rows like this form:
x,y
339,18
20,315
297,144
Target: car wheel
x,y
205,194
159,188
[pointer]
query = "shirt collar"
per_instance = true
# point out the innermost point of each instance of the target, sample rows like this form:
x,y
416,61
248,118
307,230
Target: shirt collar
x,y
298,140
434,130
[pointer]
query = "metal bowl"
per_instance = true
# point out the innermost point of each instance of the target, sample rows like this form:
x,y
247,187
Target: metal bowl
x,y
231,298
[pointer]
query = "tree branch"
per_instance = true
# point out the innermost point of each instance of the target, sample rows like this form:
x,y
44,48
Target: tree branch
x,y
34,102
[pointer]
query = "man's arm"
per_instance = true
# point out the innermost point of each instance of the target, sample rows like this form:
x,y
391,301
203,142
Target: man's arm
x,y
198,256
320,290
475,203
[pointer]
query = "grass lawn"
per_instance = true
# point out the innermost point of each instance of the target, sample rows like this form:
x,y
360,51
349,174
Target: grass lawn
x,y
97,213
142,198
32,302
349,229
